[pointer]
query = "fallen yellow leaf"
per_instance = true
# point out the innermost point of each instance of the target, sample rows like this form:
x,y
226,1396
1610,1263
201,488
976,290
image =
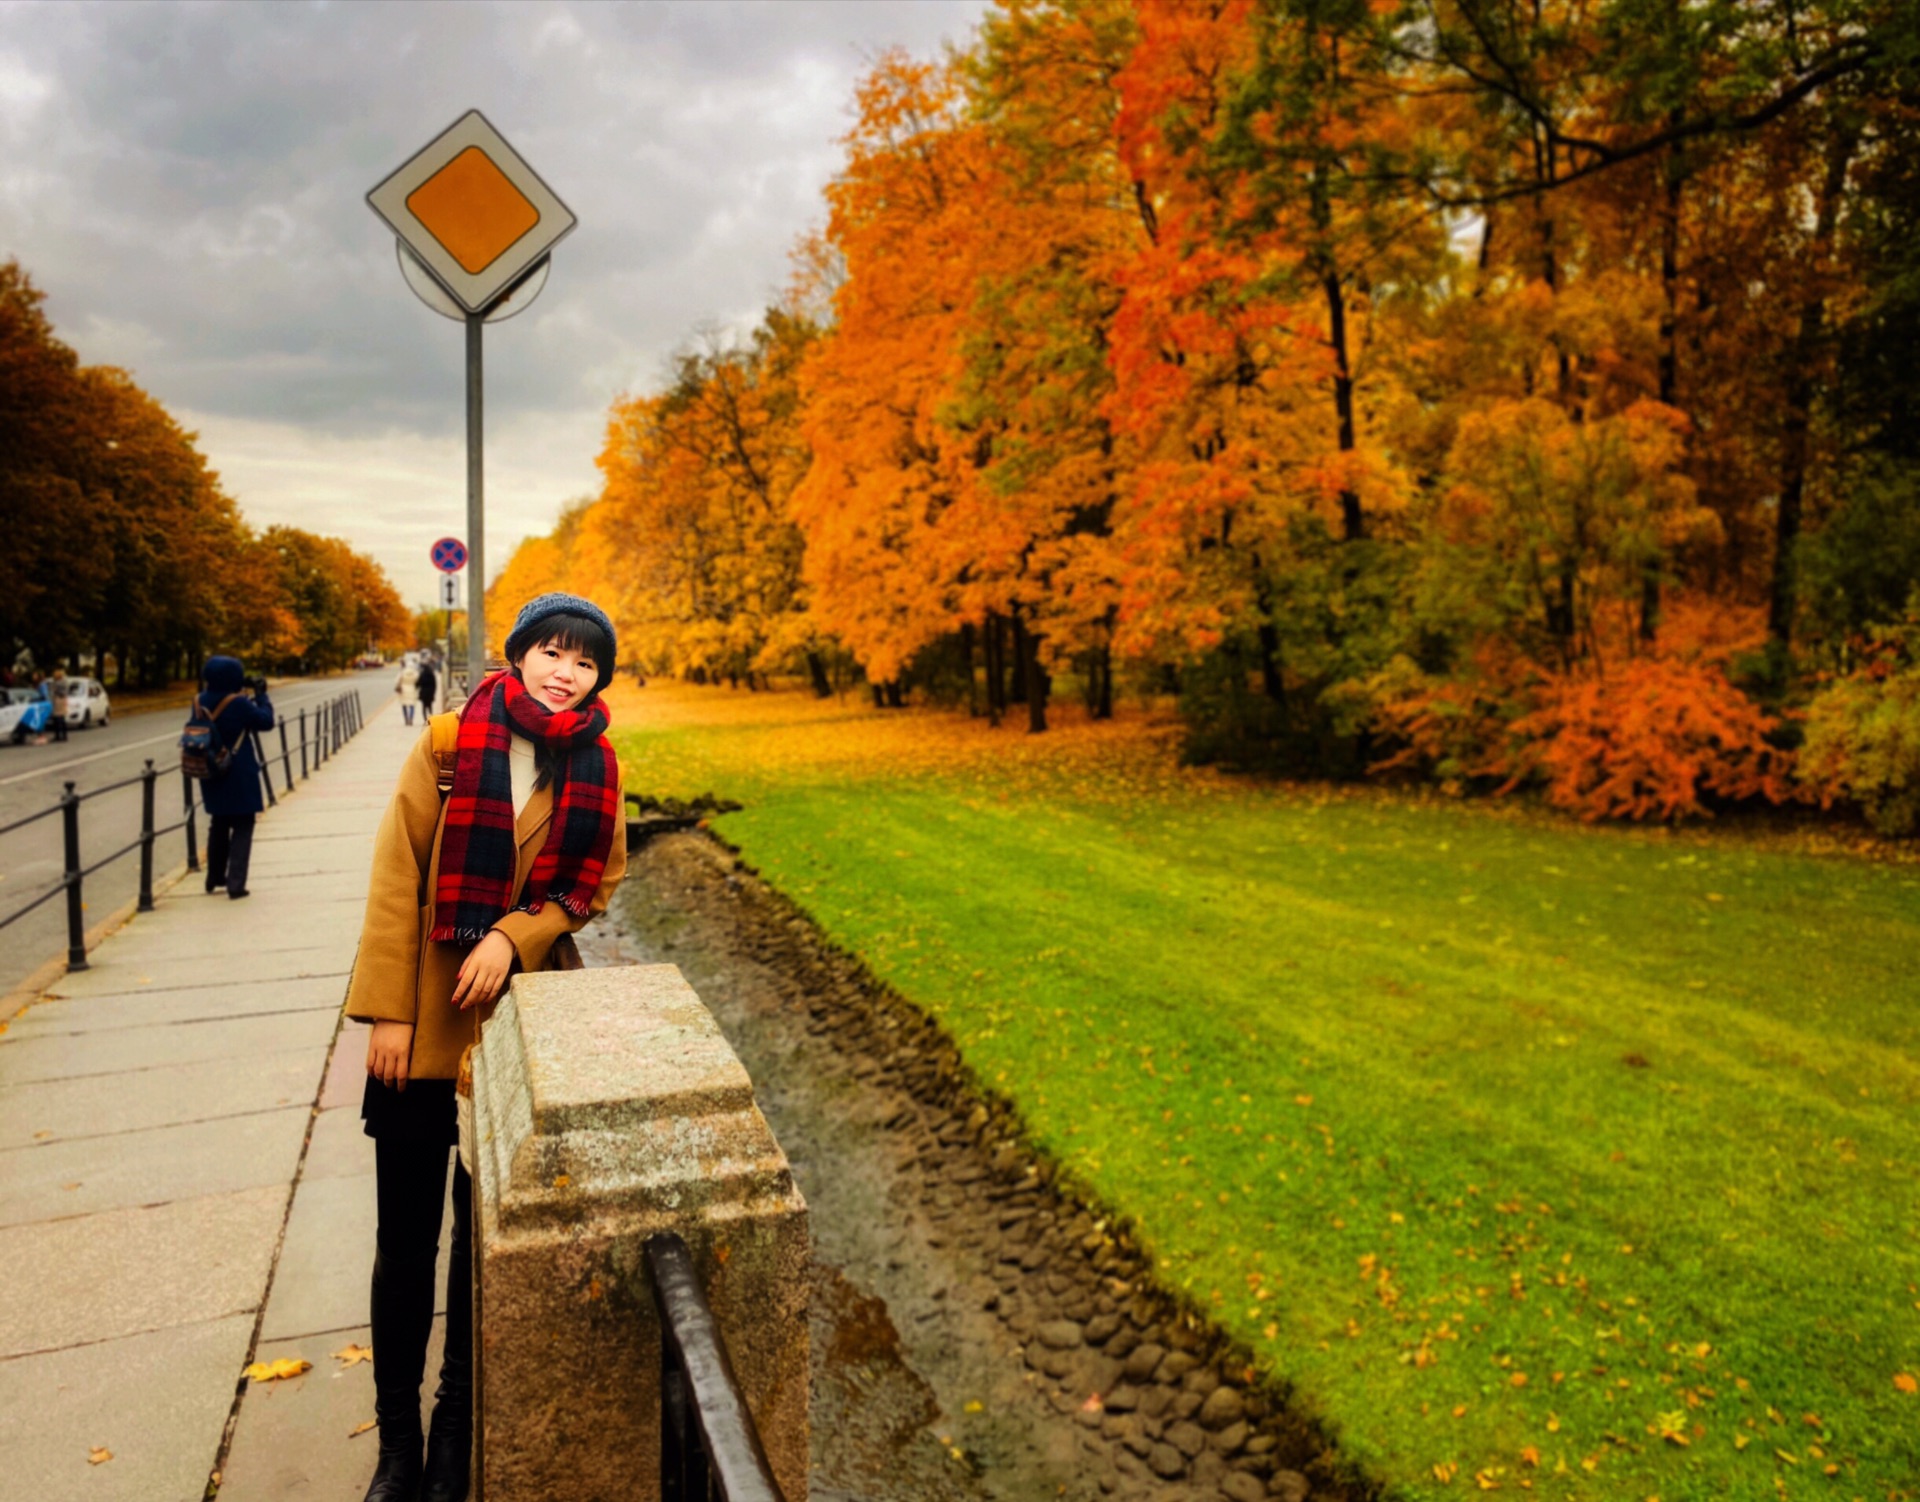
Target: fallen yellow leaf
x,y
99,1455
352,1355
359,1429
274,1371
1904,1382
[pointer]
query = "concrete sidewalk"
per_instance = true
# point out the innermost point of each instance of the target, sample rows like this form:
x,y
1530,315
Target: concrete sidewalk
x,y
184,1187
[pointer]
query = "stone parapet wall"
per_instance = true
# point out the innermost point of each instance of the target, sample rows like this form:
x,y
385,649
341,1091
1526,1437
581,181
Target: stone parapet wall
x,y
606,1108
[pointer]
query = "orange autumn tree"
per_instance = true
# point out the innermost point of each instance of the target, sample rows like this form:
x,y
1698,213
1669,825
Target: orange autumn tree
x,y
1433,384
691,541
1036,378
1245,394
904,218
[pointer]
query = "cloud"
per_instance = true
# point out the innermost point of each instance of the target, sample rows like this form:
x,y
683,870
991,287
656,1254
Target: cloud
x,y
187,183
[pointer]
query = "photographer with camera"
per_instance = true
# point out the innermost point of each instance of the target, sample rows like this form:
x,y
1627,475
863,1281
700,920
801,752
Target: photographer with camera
x,y
238,707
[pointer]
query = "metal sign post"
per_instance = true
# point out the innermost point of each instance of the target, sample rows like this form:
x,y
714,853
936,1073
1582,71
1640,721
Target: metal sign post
x,y
449,555
475,226
449,602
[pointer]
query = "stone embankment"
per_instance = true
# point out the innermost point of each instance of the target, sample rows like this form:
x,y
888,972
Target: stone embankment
x,y
1010,1338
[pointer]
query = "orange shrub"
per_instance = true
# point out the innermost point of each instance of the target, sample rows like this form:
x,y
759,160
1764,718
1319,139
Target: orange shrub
x,y
1644,736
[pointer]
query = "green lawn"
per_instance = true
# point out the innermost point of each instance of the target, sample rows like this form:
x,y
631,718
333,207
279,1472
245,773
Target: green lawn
x,y
1533,1156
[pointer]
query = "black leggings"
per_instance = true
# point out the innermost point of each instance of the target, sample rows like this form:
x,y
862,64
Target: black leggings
x,y
229,851
411,1189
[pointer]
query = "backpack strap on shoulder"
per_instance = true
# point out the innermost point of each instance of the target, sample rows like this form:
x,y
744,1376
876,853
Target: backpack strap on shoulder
x,y
213,715
445,731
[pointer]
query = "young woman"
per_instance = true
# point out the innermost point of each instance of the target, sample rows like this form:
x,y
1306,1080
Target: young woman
x,y
468,885
232,800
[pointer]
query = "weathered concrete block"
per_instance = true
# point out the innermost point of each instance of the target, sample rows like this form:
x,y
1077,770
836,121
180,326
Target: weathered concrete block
x,y
607,1107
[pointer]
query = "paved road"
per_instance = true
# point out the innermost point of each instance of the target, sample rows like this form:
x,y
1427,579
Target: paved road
x,y
32,859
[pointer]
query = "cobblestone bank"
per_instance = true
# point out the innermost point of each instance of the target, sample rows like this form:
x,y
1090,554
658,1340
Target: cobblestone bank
x,y
978,1332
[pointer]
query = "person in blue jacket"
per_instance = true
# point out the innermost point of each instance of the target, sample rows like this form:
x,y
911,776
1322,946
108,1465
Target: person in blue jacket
x,y
233,798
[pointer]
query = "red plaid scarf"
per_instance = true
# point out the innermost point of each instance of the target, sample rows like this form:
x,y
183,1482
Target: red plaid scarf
x,y
478,852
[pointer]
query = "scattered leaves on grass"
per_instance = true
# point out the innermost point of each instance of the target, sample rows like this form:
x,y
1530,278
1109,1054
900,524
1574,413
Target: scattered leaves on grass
x,y
1445,1471
1905,1382
353,1355
99,1455
274,1371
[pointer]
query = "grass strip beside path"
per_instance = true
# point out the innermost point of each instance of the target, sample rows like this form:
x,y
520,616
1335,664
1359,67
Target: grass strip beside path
x,y
1534,1157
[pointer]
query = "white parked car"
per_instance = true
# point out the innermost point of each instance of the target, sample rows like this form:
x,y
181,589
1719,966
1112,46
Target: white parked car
x,y
87,702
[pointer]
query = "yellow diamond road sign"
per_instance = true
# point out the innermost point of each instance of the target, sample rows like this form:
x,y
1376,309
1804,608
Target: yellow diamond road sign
x,y
472,212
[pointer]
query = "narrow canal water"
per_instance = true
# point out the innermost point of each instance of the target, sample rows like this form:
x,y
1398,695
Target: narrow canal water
x,y
964,1344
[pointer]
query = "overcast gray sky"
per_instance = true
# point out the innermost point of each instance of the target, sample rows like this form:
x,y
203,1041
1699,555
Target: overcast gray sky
x,y
187,183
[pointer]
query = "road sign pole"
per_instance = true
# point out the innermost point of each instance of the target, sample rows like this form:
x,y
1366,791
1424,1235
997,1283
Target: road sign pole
x,y
476,512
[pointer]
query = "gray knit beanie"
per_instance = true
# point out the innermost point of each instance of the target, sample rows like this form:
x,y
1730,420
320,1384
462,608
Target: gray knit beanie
x,y
542,608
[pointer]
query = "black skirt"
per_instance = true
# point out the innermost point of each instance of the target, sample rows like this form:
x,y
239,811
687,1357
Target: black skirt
x,y
423,1112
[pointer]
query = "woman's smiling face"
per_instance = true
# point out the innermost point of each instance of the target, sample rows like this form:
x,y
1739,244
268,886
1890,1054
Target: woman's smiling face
x,y
558,677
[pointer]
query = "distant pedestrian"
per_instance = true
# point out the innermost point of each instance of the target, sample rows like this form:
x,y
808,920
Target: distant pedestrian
x,y
429,687
508,818
407,686
233,798
59,686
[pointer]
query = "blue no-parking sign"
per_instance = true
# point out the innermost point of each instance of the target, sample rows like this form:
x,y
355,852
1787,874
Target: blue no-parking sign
x,y
449,555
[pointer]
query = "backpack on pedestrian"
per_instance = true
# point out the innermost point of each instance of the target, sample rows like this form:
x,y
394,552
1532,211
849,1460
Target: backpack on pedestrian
x,y
204,756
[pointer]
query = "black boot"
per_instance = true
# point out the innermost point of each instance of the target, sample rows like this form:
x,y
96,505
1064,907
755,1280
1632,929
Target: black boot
x,y
450,1441
402,1321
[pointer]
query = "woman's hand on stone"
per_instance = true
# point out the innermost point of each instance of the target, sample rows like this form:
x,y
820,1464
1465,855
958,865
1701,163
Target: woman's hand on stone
x,y
483,976
389,1047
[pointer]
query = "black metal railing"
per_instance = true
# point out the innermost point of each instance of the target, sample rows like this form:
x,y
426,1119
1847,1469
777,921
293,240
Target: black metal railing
x,y
710,1450
335,722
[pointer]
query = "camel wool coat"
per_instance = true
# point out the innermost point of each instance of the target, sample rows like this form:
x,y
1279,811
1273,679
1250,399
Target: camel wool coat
x,y
399,975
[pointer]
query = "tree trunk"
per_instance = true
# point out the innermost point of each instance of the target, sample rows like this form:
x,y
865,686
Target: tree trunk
x,y
1669,355
1021,649
1353,523
973,683
1037,681
1099,694
896,697
994,651
879,695
1797,423
817,673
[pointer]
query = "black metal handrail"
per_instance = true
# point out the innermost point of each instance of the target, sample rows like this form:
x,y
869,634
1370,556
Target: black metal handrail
x,y
336,721
710,1449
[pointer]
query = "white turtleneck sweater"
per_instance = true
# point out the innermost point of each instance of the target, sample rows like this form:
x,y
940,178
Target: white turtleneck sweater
x,y
520,764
